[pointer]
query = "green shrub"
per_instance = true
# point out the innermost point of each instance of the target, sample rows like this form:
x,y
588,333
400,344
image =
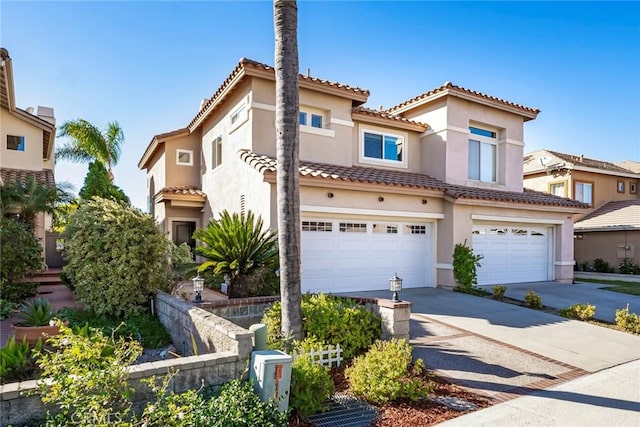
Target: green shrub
x,y
85,376
16,360
311,386
18,291
465,266
627,266
385,374
533,300
7,308
329,320
144,328
601,266
579,311
20,252
237,405
117,257
498,292
628,321
238,245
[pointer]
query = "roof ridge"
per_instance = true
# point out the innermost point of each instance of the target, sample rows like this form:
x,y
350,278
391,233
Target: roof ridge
x,y
448,85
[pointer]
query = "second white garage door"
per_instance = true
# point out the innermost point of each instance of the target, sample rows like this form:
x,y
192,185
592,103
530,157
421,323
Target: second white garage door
x,y
341,255
512,254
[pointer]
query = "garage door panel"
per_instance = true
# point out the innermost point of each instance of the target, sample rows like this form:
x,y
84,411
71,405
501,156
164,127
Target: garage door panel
x,y
512,254
351,261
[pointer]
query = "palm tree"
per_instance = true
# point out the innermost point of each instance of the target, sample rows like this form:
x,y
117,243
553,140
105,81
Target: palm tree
x,y
285,18
88,143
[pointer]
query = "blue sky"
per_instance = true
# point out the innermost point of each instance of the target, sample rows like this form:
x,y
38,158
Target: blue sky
x,y
148,64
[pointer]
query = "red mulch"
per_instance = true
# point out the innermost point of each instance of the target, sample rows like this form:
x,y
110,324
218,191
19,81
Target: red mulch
x,y
406,412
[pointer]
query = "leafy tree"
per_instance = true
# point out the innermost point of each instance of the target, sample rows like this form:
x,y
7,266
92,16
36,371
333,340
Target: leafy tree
x,y
25,200
62,214
285,17
117,257
238,245
88,143
98,183
465,266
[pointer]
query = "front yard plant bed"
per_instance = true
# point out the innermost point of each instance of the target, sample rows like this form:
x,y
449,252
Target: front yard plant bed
x,y
404,412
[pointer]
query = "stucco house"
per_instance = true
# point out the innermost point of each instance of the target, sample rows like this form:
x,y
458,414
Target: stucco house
x,y
610,228
381,191
27,141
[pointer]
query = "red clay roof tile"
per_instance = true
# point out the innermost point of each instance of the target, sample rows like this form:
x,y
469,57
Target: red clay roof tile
x,y
184,190
44,176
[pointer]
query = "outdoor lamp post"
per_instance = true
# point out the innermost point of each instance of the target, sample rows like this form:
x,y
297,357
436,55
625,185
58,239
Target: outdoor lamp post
x,y
395,286
198,286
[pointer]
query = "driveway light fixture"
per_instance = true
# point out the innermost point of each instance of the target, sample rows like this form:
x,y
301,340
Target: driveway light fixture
x,y
395,286
198,286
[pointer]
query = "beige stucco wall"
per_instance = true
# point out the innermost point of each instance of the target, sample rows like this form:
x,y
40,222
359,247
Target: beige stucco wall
x,y
608,245
449,120
457,226
181,174
31,158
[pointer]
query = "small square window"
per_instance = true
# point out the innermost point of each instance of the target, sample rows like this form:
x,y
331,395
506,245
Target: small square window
x,y
633,188
620,186
303,118
184,157
316,121
15,143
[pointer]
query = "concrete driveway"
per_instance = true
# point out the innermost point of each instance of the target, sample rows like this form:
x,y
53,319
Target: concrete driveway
x,y
558,296
505,351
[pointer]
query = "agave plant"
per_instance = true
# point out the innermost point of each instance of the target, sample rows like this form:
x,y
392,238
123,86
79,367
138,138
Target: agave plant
x,y
36,312
237,245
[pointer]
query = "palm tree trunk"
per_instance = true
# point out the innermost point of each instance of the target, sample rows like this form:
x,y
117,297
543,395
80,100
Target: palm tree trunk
x,y
285,17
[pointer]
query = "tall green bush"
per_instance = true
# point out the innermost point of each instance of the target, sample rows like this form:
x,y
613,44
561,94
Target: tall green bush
x,y
238,245
116,257
20,252
465,266
329,320
311,386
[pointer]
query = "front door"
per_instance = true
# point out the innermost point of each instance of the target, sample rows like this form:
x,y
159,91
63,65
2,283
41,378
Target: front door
x,y
182,232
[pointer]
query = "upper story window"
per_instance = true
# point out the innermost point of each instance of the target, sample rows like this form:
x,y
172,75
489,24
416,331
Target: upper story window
x,y
482,154
238,115
15,143
216,152
184,157
558,189
383,146
311,119
584,192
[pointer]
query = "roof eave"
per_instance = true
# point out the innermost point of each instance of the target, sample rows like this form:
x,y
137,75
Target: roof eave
x,y
155,143
612,228
363,117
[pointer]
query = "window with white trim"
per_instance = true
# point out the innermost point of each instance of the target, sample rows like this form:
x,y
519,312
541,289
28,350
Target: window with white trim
x,y
557,189
314,120
15,143
385,228
482,154
382,146
216,152
317,226
584,192
351,227
184,157
239,114
416,229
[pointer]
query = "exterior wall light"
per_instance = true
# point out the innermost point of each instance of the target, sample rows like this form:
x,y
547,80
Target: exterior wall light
x,y
381,199
330,195
395,286
198,287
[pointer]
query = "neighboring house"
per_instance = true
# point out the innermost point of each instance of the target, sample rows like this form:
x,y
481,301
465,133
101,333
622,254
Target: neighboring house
x,y
27,141
381,192
610,229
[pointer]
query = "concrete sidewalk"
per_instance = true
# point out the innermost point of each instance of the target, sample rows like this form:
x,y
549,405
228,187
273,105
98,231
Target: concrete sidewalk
x,y
607,398
556,295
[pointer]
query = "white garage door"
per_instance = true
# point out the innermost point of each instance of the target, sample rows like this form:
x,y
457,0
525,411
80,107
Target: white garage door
x,y
512,254
341,255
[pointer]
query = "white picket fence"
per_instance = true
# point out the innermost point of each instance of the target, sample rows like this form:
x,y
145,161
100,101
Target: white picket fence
x,y
324,356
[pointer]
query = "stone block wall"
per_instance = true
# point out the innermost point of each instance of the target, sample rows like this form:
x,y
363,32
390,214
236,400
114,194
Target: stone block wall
x,y
243,312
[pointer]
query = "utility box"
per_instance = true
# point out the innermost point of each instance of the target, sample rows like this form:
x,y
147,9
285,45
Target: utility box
x,y
271,374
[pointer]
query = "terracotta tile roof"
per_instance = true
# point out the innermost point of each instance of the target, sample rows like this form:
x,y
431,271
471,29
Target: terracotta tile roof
x,y
631,165
266,164
587,162
186,190
621,215
44,176
245,64
384,115
448,86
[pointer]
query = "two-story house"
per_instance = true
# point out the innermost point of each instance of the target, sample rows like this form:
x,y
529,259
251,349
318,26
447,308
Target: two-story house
x,y
27,141
610,228
381,192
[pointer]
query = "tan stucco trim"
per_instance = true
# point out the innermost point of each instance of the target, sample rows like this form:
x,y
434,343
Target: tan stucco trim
x,y
304,209
512,205
156,142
